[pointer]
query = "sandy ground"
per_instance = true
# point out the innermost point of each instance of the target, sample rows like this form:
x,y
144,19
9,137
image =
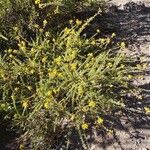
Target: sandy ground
x,y
123,2
136,132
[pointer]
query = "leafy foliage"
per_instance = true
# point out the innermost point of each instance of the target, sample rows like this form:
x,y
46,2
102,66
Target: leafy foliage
x,y
64,82
56,83
24,14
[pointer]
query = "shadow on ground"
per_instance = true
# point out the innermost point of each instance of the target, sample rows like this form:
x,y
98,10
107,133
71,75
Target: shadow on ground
x,y
132,25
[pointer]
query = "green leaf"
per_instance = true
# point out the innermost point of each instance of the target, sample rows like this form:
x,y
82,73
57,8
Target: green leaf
x,y
3,37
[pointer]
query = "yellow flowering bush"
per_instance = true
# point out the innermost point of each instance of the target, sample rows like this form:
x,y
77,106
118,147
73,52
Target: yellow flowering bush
x,y
53,85
25,17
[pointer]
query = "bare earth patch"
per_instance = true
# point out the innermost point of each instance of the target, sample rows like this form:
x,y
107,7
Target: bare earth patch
x,y
133,133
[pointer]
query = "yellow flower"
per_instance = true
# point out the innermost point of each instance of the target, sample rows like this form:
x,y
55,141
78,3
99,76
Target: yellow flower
x,y
44,59
21,147
10,56
141,77
92,104
16,89
44,22
15,51
58,60
113,35
56,11
80,90
84,126
72,117
73,54
32,71
78,22
48,102
102,41
87,65
147,109
53,73
13,97
47,34
140,97
93,42
41,30
56,90
10,50
122,45
110,131
37,1
49,93
98,31
36,26
138,66
100,120
108,40
15,28
73,66
25,104
90,55
144,66
110,65
67,31
32,50
22,45
129,76
46,105
70,21
60,75
73,32
29,88
40,6
122,66
111,85
3,106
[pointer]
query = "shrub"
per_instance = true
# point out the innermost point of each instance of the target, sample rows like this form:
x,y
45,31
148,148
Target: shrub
x,y
58,85
24,14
